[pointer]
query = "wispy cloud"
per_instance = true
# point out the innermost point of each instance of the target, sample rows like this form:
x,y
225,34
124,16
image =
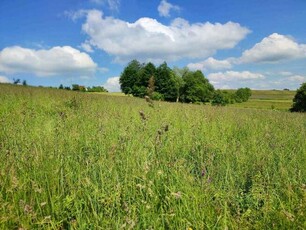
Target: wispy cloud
x,y
112,4
165,7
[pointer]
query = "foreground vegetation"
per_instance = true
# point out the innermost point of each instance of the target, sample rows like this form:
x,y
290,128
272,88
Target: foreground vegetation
x,y
93,161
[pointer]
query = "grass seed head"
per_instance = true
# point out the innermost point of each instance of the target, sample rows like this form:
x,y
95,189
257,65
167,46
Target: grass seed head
x,y
142,115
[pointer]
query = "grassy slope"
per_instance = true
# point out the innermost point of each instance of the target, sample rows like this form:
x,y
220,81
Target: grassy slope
x,y
75,160
268,99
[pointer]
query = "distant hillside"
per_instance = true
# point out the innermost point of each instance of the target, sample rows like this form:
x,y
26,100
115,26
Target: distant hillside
x,y
269,99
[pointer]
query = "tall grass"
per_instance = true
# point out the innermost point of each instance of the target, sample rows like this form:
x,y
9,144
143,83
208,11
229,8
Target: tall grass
x,y
87,161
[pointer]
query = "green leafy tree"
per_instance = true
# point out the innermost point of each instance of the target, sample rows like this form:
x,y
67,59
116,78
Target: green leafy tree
x,y
196,87
97,89
61,86
242,95
179,81
299,100
130,77
81,88
221,98
145,73
165,82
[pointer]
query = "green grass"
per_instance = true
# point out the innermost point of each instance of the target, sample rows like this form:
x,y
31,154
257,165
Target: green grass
x,y
90,161
268,99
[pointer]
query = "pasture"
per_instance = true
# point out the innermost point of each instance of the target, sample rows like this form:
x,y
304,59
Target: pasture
x,y
95,161
269,99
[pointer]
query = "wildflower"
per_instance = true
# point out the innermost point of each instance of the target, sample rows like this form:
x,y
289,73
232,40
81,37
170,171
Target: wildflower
x,y
177,195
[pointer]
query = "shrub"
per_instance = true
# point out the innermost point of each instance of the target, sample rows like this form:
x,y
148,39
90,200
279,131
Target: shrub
x,y
157,96
299,100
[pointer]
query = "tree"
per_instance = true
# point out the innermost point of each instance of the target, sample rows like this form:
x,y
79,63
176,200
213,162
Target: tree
x,y
220,98
24,83
129,78
299,100
97,89
242,95
16,81
61,86
165,82
179,73
196,88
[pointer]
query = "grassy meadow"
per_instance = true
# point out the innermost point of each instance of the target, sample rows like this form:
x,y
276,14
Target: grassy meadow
x,y
269,99
95,161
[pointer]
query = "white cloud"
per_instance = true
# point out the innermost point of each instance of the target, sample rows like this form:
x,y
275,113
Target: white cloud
x,y
234,79
112,84
112,4
274,48
87,47
285,73
165,7
4,79
55,61
211,64
147,39
75,15
234,75
297,78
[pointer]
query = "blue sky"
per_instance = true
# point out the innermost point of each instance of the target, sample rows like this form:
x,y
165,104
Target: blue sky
x,y
236,43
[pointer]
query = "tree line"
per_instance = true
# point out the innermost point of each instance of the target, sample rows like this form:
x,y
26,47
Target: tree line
x,y
81,88
174,85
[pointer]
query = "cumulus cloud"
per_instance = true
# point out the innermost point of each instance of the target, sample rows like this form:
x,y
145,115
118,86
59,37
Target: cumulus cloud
x,y
4,79
112,84
165,7
234,75
55,61
147,39
211,64
271,49
274,48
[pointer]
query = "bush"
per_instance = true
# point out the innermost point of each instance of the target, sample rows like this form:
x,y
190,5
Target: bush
x,y
157,96
299,100
220,98
243,95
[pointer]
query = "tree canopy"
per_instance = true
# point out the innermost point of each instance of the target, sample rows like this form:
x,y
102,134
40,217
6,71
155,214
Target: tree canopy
x,y
177,84
165,83
299,100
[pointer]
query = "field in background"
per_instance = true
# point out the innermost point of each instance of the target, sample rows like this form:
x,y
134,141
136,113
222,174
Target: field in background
x,y
268,99
260,99
90,161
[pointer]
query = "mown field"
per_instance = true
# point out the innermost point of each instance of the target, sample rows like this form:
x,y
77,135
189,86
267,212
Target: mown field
x,y
269,99
89,161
